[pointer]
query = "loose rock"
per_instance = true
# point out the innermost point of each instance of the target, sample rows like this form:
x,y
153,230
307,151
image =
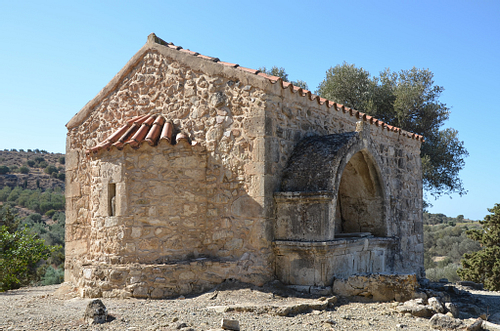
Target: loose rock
x,y
476,325
96,312
452,308
443,322
228,324
436,304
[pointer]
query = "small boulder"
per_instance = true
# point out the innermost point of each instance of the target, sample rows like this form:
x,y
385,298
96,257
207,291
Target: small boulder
x,y
416,308
444,322
476,325
452,308
228,324
436,304
96,312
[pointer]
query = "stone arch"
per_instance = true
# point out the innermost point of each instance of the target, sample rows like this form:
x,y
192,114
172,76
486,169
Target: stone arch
x,y
360,204
346,166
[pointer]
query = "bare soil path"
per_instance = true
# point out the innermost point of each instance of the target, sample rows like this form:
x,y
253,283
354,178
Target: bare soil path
x,y
57,307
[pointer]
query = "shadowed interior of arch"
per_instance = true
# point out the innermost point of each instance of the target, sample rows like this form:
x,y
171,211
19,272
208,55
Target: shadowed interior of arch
x,y
360,203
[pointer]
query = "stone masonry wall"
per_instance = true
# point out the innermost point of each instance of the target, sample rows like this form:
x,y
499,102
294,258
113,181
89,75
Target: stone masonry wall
x,y
172,202
291,117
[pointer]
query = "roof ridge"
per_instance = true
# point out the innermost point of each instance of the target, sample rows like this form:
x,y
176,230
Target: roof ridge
x,y
294,89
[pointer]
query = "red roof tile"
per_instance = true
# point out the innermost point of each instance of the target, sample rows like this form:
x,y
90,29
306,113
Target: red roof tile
x,y
145,128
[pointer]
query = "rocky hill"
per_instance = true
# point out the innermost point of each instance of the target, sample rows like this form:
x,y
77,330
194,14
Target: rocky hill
x,y
32,169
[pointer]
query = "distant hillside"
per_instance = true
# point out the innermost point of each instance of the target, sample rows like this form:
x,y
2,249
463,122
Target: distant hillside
x,y
445,242
32,197
32,169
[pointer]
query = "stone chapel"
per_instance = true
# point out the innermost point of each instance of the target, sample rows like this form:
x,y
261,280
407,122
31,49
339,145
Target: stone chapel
x,y
185,171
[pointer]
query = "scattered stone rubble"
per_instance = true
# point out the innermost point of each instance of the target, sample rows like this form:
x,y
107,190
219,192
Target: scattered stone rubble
x,y
377,287
234,305
434,301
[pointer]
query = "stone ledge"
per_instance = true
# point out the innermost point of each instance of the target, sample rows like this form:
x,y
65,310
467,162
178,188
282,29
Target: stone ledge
x,y
326,246
378,287
158,281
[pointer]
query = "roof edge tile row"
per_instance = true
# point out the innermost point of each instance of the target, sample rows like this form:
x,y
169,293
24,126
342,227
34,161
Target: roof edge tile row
x,y
149,129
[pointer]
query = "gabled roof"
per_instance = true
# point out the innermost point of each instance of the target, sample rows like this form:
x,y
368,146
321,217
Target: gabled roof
x,y
155,42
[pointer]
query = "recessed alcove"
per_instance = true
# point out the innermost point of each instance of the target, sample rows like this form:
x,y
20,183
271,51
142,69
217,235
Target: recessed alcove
x,y
331,218
360,203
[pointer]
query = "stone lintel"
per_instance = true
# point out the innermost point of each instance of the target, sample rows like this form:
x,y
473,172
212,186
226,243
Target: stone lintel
x,y
303,196
282,247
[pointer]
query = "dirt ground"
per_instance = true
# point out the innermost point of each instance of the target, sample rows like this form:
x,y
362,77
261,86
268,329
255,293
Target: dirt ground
x,y
58,307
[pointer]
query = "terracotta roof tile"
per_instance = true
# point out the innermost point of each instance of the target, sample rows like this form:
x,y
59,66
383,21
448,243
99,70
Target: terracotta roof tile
x,y
154,133
146,128
252,71
141,133
214,59
166,132
190,52
229,64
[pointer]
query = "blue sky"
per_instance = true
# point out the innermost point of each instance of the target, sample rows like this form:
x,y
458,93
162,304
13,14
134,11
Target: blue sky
x,y
55,56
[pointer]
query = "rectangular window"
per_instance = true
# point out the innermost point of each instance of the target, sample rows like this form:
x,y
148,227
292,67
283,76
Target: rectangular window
x,y
112,199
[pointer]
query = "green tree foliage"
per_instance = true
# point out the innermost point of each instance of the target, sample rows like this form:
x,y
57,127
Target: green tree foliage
x,y
281,73
50,169
409,100
7,218
484,266
19,254
4,169
24,170
445,242
53,276
36,200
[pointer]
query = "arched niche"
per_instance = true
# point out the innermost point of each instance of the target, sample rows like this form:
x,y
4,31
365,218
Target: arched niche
x,y
360,205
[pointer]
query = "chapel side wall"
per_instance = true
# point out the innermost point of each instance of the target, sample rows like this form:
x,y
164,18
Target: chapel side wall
x,y
222,111
291,117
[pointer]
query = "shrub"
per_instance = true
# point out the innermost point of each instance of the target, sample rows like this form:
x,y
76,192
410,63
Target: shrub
x,y
62,160
35,217
4,169
24,170
484,266
449,272
42,165
31,163
50,169
53,276
4,193
19,253
50,213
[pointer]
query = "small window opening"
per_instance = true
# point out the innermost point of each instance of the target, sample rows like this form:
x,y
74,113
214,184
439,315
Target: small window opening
x,y
112,199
